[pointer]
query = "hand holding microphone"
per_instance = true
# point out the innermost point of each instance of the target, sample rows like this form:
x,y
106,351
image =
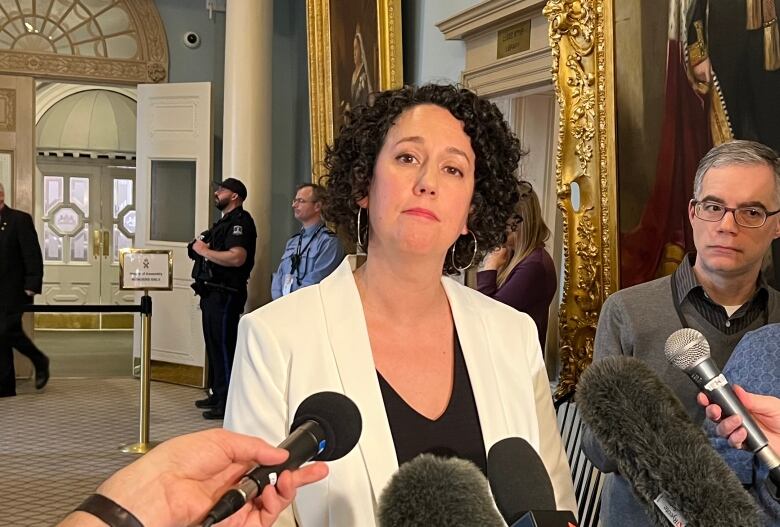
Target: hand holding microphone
x,y
765,409
327,426
175,483
689,350
666,458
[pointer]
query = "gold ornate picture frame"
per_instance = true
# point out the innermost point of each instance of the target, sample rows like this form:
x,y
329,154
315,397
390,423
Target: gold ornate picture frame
x,y
581,37
354,49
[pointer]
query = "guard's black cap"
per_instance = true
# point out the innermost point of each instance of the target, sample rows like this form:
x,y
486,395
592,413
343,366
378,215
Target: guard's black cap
x,y
235,185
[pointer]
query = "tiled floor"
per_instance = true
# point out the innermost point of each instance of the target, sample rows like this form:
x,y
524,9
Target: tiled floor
x,y
57,445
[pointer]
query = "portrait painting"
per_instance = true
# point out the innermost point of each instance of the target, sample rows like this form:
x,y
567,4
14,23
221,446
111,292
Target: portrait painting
x,y
687,77
645,90
354,51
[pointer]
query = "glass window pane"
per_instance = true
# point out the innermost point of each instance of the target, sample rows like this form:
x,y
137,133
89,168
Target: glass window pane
x,y
79,194
114,20
120,242
67,220
172,214
123,195
52,192
79,246
7,177
128,222
52,245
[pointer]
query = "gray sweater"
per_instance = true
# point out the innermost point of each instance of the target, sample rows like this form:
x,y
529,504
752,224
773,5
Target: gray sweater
x,y
636,322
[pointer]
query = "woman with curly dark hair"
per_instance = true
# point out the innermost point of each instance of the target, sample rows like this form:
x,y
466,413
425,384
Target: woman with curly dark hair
x,y
424,179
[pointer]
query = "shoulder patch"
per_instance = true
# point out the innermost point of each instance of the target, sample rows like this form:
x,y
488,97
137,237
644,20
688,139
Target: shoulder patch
x,y
238,230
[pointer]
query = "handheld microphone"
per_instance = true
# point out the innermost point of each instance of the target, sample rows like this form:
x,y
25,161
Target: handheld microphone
x,y
326,427
521,486
667,460
430,490
689,350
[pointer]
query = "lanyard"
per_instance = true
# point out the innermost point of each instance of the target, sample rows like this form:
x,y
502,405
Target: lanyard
x,y
296,258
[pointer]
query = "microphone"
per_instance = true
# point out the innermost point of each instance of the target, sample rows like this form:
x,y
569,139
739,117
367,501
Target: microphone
x,y
431,490
667,460
689,350
326,427
521,486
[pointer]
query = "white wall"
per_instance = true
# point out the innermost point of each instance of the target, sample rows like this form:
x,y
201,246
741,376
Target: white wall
x,y
427,56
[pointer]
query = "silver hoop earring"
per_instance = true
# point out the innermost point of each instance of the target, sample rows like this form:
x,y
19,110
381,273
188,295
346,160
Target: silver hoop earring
x,y
473,255
360,246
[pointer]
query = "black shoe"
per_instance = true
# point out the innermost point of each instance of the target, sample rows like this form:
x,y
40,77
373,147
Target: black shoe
x,y
41,377
214,413
208,402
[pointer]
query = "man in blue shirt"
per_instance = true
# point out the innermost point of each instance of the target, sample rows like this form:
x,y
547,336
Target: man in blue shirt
x,y
313,252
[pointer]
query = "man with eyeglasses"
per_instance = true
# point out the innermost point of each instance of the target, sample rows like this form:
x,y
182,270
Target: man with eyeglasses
x,y
719,290
312,253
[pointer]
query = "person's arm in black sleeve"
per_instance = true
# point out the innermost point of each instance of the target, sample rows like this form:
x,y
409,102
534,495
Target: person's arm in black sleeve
x,y
32,260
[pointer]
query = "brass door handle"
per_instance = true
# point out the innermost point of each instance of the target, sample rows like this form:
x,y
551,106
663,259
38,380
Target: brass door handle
x,y
96,243
106,242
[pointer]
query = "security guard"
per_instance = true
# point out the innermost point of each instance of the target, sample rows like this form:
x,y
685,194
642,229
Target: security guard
x,y
224,256
311,254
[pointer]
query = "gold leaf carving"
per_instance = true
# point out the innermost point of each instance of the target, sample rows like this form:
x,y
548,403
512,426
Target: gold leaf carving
x,y
149,65
7,110
583,87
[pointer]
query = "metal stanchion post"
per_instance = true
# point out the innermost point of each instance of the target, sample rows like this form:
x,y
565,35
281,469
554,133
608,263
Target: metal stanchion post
x,y
143,445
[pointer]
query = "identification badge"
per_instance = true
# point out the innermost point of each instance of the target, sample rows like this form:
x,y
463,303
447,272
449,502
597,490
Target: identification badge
x,y
287,284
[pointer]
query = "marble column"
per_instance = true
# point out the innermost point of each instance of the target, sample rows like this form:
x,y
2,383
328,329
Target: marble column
x,y
247,124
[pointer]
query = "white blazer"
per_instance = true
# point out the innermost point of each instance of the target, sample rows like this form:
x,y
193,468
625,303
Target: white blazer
x,y
315,339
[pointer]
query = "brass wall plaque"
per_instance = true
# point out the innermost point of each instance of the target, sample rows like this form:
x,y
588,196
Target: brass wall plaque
x,y
514,39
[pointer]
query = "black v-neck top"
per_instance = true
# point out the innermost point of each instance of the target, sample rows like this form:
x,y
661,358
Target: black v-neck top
x,y
456,433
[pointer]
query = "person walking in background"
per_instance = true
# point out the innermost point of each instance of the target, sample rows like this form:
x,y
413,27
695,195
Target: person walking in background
x,y
521,274
21,278
312,253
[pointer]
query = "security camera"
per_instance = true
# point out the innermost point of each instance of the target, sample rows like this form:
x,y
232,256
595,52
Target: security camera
x,y
191,39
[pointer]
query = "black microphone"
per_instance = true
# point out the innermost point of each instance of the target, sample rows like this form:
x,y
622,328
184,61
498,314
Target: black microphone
x,y
430,490
689,350
327,426
667,460
521,486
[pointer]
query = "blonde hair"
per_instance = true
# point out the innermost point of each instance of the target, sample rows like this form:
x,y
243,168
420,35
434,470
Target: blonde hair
x,y
530,230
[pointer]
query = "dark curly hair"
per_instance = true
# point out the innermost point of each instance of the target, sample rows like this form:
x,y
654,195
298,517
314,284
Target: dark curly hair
x,y
349,163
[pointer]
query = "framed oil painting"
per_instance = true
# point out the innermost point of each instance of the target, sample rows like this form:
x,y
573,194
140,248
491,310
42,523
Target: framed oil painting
x,y
354,50
645,90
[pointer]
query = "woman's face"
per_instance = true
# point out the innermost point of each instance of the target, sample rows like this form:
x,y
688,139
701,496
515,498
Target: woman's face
x,y
356,50
423,182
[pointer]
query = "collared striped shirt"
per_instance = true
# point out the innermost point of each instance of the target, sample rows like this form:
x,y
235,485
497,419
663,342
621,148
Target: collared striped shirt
x,y
689,288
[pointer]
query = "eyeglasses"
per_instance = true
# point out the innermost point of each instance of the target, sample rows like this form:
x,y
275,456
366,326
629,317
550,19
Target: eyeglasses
x,y
301,201
751,217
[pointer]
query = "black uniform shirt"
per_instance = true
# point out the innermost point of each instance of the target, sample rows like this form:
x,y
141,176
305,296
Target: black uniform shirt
x,y
234,229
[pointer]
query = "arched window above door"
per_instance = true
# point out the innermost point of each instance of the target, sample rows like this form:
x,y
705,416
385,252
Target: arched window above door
x,y
109,40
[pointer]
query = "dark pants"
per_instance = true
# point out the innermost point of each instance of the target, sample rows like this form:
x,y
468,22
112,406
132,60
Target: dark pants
x,y
221,311
12,337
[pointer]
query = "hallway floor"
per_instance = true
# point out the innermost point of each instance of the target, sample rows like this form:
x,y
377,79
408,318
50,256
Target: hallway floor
x,y
58,444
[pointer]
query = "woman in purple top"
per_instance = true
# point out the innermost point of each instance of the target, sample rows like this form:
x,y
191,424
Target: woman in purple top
x,y
521,274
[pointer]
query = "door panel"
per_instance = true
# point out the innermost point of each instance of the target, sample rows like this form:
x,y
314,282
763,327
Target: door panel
x,y
174,138
117,230
69,225
87,212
